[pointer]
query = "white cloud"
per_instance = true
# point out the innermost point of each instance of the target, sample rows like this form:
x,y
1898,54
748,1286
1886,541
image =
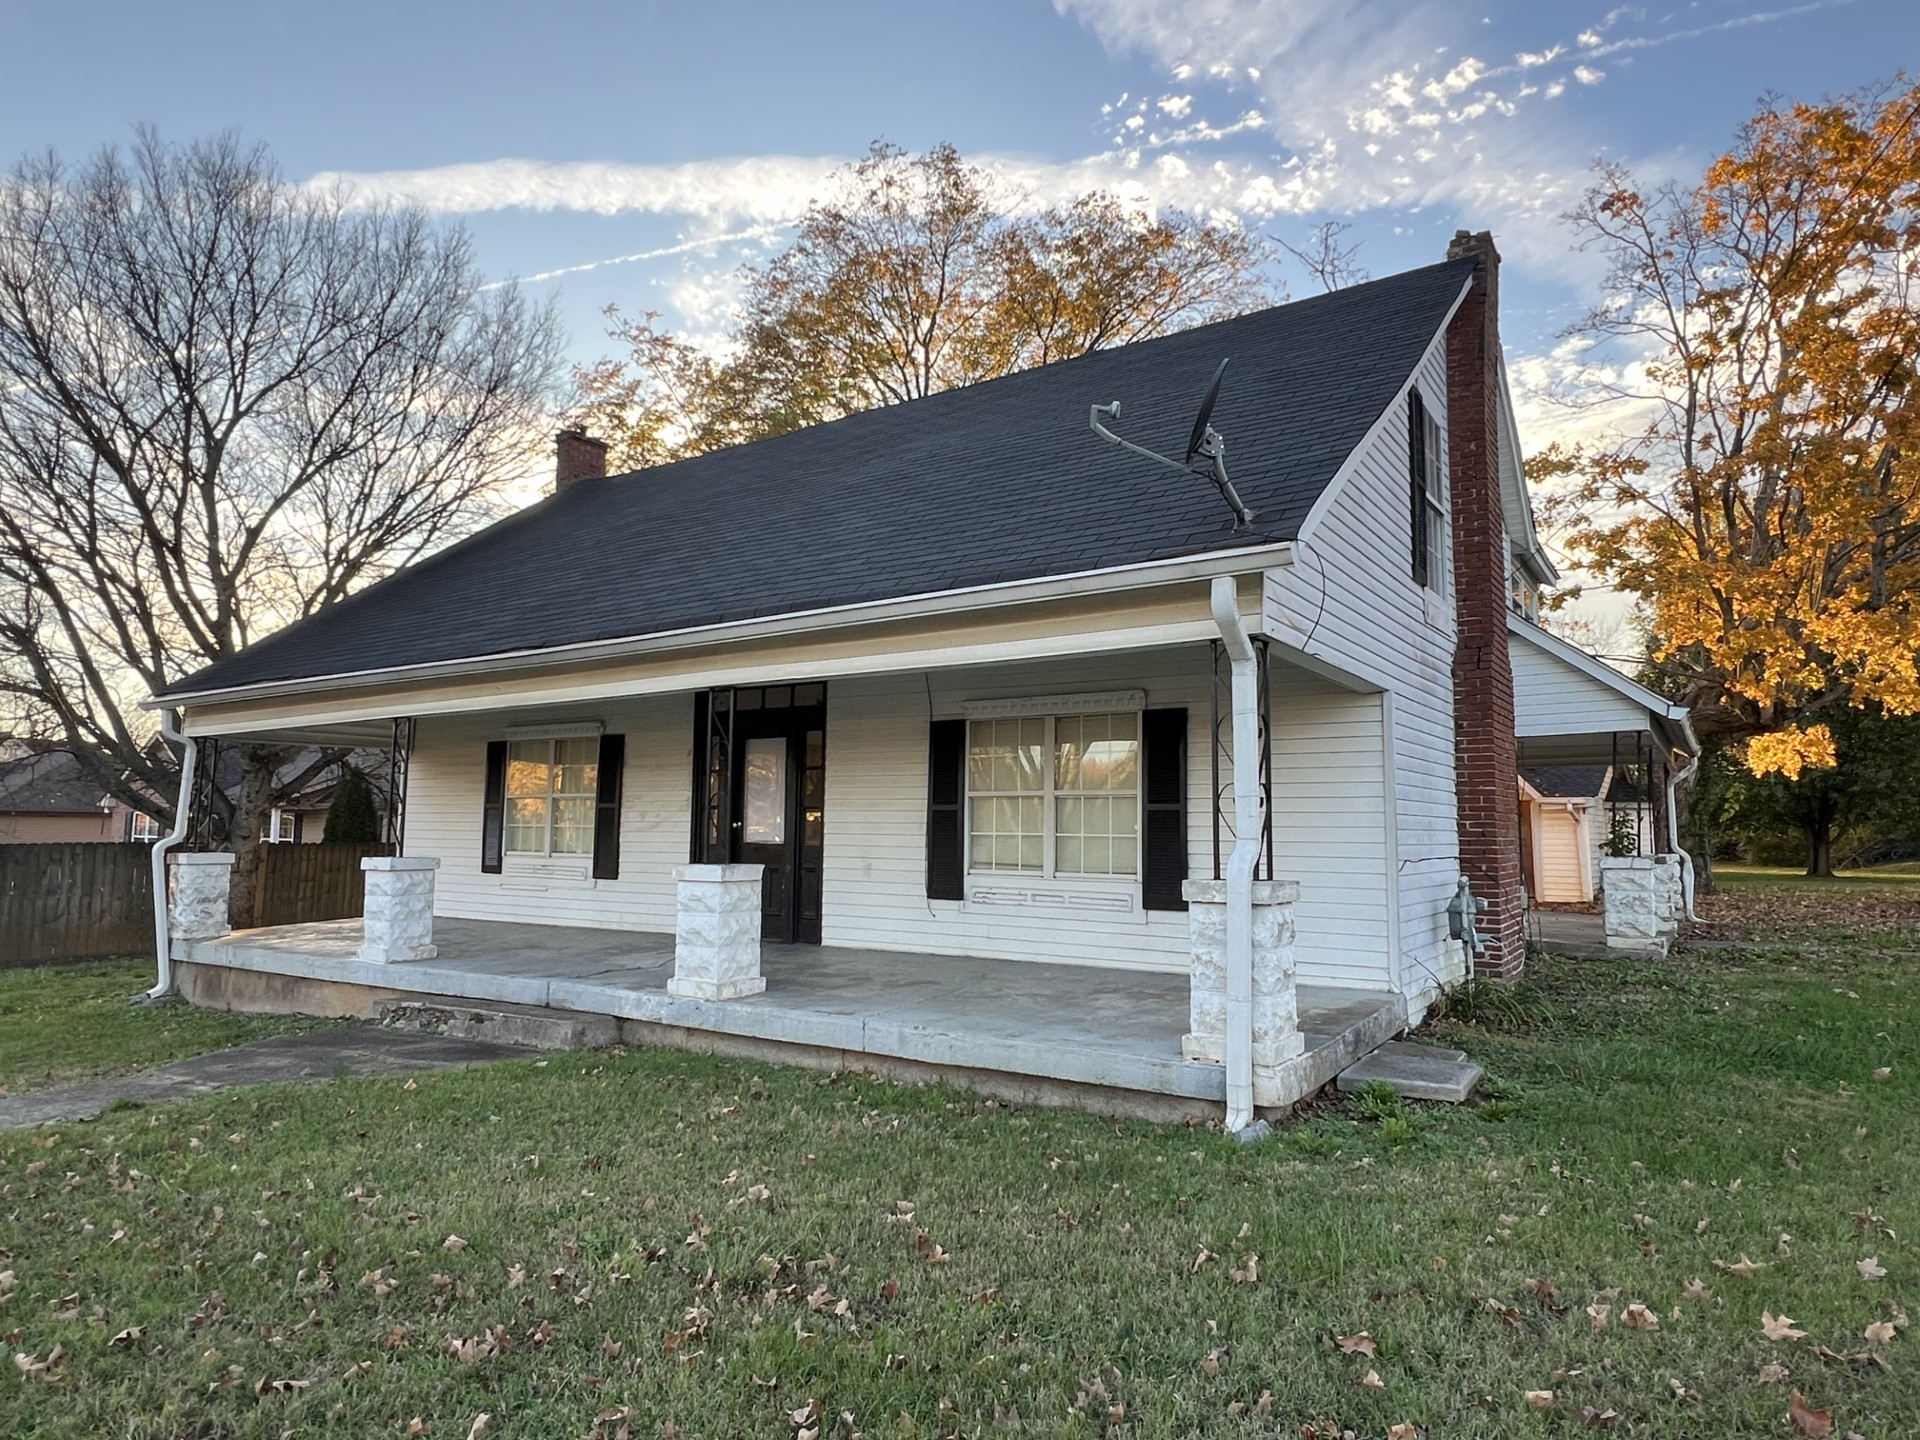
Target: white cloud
x,y
1176,106
1587,75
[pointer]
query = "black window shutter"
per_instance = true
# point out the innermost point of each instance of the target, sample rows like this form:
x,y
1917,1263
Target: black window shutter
x,y
1164,864
700,797
946,805
606,807
1417,482
493,812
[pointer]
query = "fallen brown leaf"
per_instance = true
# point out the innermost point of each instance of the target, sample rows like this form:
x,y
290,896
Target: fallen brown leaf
x,y
1807,1420
1541,1399
1779,1327
1638,1317
1361,1344
1870,1268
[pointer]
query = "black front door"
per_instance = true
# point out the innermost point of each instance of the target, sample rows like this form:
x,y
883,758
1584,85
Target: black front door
x,y
778,818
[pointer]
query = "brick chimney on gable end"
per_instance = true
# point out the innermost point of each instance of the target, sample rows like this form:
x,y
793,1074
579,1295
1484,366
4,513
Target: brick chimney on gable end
x,y
577,456
1485,760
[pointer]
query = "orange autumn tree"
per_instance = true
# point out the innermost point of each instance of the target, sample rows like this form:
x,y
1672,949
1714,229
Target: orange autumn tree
x,y
914,274
1765,514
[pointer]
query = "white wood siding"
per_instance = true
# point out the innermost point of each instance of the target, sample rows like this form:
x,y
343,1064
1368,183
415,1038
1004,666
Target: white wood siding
x,y
1328,837
1350,600
1552,698
444,792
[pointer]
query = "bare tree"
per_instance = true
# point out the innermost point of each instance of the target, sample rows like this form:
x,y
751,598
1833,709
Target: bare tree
x,y
225,402
1334,265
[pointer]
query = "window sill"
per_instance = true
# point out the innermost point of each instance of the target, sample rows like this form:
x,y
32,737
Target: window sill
x,y
1003,891
1439,613
556,872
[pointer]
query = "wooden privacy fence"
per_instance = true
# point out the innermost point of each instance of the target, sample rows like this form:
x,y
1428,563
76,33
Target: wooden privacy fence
x,y
298,883
74,902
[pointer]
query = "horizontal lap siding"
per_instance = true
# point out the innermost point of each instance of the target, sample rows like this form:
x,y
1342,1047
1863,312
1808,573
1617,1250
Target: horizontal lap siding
x,y
877,814
1551,697
1352,589
443,818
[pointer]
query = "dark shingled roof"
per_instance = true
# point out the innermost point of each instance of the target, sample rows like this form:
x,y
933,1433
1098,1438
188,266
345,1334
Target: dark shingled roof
x,y
50,782
1000,481
1566,782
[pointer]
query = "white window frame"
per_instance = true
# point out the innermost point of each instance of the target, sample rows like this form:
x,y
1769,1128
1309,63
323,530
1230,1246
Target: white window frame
x,y
142,828
1434,513
1048,888
552,797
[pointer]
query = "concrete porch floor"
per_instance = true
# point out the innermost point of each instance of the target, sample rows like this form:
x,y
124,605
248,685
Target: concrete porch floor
x,y
1116,1031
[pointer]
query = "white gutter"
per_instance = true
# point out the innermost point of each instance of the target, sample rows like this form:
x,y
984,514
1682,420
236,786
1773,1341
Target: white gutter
x,y
1246,854
162,936
1674,782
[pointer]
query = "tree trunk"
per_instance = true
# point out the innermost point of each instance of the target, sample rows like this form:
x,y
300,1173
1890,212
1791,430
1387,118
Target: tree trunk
x,y
1818,828
252,808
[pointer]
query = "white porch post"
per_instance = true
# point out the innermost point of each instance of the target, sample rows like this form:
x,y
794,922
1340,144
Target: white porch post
x,y
197,899
399,908
1276,1013
716,933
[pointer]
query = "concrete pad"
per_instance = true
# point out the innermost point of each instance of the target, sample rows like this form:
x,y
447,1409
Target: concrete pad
x,y
317,1055
1418,1072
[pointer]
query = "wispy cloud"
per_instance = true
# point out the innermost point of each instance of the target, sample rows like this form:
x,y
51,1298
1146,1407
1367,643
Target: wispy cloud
x,y
664,252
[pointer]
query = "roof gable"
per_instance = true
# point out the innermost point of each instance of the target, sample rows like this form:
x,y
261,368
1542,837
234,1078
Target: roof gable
x,y
993,483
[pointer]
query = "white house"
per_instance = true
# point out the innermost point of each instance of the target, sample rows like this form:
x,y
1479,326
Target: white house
x,y
939,701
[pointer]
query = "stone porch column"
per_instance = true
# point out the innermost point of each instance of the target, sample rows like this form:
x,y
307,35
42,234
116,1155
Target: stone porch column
x,y
1276,1014
197,898
716,933
1633,902
399,908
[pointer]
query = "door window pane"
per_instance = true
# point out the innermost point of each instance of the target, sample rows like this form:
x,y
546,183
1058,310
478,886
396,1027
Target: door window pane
x,y
764,808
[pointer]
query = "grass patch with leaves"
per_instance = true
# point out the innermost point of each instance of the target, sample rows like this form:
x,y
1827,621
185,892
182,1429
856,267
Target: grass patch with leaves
x,y
64,1023
657,1244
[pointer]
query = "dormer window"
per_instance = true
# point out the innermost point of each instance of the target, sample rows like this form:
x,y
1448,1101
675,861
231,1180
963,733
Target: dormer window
x,y
1427,493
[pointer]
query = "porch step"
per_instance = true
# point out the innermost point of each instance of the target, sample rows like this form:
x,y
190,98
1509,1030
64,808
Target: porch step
x,y
1418,1072
526,1025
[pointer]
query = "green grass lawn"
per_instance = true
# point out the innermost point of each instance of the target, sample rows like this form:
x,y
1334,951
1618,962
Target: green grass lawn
x,y
656,1245
60,1023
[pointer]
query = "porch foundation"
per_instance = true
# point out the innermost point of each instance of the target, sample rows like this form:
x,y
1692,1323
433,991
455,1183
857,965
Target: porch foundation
x,y
399,908
197,899
1276,1015
716,933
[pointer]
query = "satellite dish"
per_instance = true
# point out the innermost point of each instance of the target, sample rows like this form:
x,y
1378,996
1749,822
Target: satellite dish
x,y
1196,441
1205,442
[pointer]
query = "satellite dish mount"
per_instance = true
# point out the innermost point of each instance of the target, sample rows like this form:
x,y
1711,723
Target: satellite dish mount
x,y
1204,443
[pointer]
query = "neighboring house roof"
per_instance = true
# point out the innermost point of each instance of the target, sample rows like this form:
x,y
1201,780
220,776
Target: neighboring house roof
x,y
1566,782
993,483
50,782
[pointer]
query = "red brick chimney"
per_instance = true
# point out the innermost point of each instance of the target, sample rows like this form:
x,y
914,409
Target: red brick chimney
x,y
577,456
1486,782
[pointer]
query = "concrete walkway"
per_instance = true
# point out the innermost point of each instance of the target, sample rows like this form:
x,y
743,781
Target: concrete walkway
x,y
317,1055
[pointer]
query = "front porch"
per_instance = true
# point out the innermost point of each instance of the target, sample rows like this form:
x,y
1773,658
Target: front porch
x,y
1093,1037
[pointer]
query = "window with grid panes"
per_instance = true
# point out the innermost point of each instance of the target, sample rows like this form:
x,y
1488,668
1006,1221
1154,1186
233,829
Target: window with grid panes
x,y
1054,795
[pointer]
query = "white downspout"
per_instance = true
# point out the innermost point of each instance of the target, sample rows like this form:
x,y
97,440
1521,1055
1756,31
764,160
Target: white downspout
x,y
162,936
1246,853
1674,782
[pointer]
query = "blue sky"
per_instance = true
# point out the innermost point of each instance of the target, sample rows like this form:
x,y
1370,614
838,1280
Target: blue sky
x,y
565,136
